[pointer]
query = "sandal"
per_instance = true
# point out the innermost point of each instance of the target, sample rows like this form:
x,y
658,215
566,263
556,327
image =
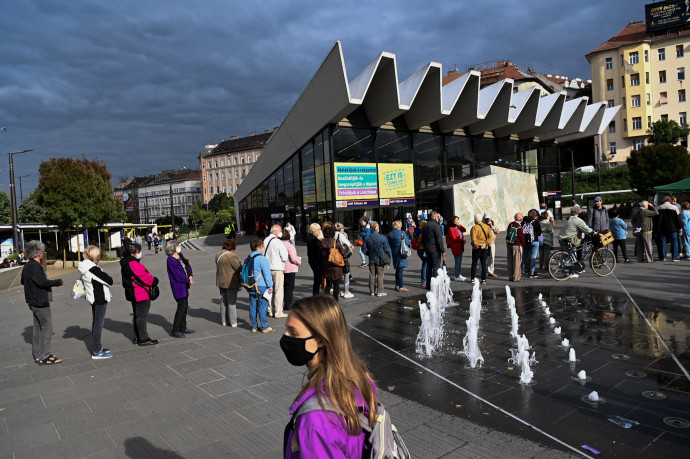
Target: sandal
x,y
50,360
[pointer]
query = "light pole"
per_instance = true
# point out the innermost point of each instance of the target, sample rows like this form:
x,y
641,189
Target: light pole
x,y
13,197
21,193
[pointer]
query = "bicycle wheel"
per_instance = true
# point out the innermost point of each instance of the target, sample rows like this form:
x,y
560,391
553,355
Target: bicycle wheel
x,y
602,261
561,265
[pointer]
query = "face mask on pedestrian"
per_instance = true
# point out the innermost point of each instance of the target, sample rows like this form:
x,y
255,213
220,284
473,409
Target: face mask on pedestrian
x,y
178,250
280,235
295,350
138,256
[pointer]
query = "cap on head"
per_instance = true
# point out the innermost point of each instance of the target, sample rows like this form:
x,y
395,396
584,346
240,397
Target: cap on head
x,y
576,208
597,199
486,215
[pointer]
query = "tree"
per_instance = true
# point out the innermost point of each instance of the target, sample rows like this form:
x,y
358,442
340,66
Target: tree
x,y
657,165
29,211
179,221
5,209
585,92
666,132
218,202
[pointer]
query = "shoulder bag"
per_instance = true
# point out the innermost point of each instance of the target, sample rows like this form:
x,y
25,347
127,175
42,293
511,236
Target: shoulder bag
x,y
384,258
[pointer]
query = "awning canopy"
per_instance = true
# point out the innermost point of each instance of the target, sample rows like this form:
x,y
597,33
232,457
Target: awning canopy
x,y
681,186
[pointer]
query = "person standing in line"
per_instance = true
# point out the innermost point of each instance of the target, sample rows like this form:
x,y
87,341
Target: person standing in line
x,y
291,268
148,240
314,256
161,242
228,269
410,226
481,237
364,232
331,272
396,238
181,278
37,291
155,241
455,241
547,245
432,239
490,265
277,255
515,248
96,283
618,227
138,282
643,225
531,229
317,336
341,236
258,304
421,253
550,219
669,226
685,218
598,216
292,232
375,247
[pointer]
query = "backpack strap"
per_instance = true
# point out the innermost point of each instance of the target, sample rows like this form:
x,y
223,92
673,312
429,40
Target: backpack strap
x,y
309,405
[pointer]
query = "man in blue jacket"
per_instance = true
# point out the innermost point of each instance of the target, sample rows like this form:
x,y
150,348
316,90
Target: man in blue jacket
x,y
264,282
375,247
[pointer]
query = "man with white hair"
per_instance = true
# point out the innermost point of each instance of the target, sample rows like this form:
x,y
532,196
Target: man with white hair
x,y
277,255
643,224
482,236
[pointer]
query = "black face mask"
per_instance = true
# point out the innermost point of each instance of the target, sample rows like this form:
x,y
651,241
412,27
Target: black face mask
x,y
295,350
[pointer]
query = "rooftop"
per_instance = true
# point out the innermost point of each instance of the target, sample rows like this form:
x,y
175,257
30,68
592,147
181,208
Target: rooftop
x,y
636,32
250,142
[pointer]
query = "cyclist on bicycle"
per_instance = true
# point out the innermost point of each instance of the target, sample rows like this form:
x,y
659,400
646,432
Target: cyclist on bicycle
x,y
572,233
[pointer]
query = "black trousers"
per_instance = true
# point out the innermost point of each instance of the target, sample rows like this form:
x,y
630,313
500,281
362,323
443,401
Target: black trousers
x,y
335,284
318,277
479,255
288,289
98,316
433,262
141,313
620,243
180,321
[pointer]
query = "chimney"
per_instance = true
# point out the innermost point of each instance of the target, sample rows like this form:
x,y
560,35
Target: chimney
x,y
452,72
252,134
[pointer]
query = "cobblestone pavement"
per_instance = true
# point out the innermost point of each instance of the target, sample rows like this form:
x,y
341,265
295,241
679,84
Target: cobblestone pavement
x,y
225,392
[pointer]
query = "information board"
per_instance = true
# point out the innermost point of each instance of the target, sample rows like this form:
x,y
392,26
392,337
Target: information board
x,y
355,181
396,181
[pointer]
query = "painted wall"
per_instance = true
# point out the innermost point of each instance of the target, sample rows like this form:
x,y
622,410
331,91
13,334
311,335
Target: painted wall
x,y
501,194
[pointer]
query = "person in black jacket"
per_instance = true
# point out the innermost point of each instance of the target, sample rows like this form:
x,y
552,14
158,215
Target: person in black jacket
x,y
314,256
96,283
432,239
36,288
669,225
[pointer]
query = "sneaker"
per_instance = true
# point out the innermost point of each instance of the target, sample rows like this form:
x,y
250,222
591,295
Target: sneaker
x,y
177,334
381,294
423,284
224,324
101,355
188,331
253,330
484,281
363,265
348,295
459,278
373,294
106,350
267,330
148,342
342,295
676,259
233,325
280,315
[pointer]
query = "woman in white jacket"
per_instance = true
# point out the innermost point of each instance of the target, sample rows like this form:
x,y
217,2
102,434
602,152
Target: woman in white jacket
x,y
96,284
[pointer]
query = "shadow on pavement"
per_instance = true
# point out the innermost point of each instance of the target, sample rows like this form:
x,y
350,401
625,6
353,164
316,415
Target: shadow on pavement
x,y
82,334
140,447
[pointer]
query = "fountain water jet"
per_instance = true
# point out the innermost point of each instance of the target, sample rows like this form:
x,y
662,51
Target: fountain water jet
x,y
571,355
471,344
557,330
527,374
565,342
552,320
582,375
593,396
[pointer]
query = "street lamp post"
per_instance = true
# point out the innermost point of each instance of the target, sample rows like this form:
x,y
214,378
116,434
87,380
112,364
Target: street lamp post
x,y
13,197
21,192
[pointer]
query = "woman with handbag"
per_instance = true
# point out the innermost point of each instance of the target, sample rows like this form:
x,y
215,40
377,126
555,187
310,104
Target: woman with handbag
x,y
332,264
400,248
228,269
181,278
96,284
291,268
140,288
341,236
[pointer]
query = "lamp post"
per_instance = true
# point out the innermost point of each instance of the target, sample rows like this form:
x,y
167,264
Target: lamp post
x,y
13,197
21,193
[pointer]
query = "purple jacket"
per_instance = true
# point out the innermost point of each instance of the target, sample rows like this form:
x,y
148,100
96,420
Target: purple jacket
x,y
321,434
179,280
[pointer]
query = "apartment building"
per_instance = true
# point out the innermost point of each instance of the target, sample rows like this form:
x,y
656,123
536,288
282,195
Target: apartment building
x,y
643,69
225,166
176,190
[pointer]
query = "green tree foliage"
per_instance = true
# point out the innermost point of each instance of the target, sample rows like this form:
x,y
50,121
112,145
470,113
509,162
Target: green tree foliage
x,y
75,192
219,202
617,178
166,220
5,209
29,211
666,132
198,215
657,165
585,92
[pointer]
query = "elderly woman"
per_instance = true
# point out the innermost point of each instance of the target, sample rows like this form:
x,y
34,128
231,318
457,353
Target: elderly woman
x,y
395,239
314,256
138,282
37,289
332,272
180,275
96,284
228,268
341,236
291,268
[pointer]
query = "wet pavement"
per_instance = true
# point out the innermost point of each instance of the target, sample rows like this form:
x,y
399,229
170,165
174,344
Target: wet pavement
x,y
628,365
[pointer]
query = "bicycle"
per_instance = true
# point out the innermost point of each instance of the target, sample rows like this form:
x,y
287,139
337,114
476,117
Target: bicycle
x,y
564,263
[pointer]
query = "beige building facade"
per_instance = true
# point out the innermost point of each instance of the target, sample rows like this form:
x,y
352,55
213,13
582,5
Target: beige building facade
x,y
645,73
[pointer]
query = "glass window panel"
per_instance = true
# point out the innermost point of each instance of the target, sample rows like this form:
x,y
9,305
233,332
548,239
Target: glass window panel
x,y
318,150
428,153
393,147
351,144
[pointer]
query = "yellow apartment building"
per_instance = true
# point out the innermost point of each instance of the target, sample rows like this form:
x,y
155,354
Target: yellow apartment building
x,y
644,71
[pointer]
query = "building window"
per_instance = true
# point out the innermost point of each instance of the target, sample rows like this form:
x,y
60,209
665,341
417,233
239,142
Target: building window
x,y
204,178
662,76
681,95
242,161
646,55
683,118
230,188
664,117
623,102
638,144
634,58
637,123
622,82
610,103
236,174
622,61
609,63
203,165
646,77
662,54
635,101
635,79
649,122
681,73
222,163
249,159
223,176
612,127
663,98
609,84
208,164
612,148
679,50
649,99
625,124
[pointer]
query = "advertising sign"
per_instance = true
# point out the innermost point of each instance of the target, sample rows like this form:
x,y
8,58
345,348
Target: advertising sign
x,y
396,181
671,13
309,185
546,194
355,182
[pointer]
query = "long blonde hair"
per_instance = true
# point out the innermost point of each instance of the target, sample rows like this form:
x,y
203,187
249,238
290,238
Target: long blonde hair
x,y
339,371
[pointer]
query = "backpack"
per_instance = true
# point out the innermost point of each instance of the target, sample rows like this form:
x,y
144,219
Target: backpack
x,y
247,279
512,235
381,441
335,257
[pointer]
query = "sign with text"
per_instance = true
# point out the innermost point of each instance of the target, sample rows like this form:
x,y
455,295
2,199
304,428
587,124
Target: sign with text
x,y
355,181
309,186
396,181
662,15
546,194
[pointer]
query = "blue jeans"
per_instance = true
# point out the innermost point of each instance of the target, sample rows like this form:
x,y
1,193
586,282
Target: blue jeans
x,y
361,255
98,316
263,307
458,264
399,271
664,236
533,252
422,256
686,240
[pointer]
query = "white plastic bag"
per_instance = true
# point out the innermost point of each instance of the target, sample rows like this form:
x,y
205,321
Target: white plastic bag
x,y
78,290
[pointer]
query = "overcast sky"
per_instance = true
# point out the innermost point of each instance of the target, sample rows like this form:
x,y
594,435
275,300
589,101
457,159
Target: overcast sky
x,y
143,85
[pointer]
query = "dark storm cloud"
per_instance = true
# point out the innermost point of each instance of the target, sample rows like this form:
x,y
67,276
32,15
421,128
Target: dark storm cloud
x,y
143,85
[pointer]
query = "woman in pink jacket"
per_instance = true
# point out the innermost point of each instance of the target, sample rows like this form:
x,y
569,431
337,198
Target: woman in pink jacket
x,y
138,282
291,267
